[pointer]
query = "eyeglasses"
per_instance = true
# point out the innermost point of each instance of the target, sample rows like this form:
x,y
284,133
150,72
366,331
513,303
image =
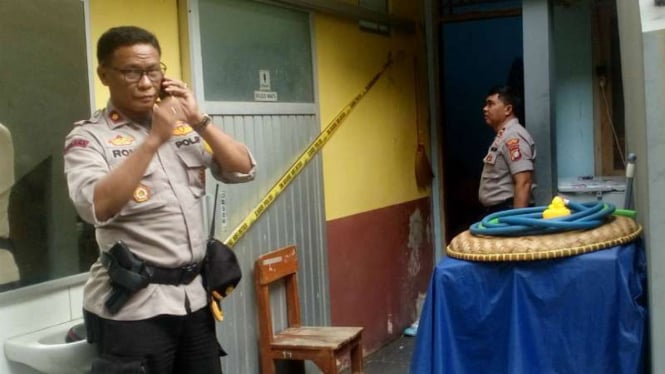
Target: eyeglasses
x,y
135,75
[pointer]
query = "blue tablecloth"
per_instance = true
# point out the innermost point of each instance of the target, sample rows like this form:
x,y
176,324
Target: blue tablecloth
x,y
580,314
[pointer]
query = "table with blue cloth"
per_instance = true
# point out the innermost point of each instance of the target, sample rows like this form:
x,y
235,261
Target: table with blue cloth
x,y
579,314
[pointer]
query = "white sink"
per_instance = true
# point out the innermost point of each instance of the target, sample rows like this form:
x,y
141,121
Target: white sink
x,y
47,352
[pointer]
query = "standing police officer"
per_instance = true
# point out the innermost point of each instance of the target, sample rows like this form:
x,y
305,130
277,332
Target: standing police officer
x,y
508,169
136,171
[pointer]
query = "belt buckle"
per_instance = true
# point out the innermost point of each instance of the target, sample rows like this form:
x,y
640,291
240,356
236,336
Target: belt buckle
x,y
188,273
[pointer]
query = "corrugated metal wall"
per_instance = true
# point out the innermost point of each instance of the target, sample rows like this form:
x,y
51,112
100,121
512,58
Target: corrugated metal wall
x,y
296,216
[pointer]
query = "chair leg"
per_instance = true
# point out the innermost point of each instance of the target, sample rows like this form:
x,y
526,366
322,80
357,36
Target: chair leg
x,y
332,366
357,359
267,365
328,365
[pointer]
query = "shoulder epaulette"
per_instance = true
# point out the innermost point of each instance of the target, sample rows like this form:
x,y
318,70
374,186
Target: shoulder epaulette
x,y
94,119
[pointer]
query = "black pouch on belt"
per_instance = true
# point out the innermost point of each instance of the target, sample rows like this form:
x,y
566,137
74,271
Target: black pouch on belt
x,y
128,274
221,271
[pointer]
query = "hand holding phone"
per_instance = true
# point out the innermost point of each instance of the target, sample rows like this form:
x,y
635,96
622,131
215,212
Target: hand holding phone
x,y
162,93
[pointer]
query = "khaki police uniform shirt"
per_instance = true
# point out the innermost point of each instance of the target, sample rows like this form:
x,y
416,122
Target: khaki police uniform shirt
x,y
512,151
162,222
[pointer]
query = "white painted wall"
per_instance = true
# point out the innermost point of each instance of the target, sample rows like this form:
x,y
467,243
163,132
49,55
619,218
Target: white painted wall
x,y
642,34
33,308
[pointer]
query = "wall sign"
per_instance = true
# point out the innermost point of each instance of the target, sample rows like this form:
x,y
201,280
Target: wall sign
x,y
264,93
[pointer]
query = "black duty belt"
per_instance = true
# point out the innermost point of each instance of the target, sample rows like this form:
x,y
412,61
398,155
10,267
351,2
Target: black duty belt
x,y
504,205
160,275
182,275
129,274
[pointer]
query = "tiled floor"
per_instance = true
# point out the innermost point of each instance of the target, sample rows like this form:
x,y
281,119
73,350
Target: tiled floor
x,y
394,358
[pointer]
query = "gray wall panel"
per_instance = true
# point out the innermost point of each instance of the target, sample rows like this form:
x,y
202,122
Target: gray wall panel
x,y
295,217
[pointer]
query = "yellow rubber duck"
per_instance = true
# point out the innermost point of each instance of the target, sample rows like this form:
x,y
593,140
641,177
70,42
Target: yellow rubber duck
x,y
556,209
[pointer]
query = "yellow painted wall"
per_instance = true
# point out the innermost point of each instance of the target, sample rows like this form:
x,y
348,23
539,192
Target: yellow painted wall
x,y
157,16
369,163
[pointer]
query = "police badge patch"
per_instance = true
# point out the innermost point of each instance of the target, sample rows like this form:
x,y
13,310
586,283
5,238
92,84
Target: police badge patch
x,y
514,149
141,194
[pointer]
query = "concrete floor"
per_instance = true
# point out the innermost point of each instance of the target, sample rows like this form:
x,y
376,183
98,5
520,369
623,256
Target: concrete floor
x,y
394,358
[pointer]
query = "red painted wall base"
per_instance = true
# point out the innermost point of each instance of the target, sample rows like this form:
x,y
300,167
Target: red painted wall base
x,y
379,262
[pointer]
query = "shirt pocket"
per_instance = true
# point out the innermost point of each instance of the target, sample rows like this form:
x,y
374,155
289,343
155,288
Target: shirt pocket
x,y
195,170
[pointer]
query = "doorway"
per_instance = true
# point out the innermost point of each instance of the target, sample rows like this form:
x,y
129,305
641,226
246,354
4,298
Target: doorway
x,y
478,50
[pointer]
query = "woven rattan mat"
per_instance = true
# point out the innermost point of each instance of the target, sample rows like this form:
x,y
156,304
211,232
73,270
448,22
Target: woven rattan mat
x,y
619,230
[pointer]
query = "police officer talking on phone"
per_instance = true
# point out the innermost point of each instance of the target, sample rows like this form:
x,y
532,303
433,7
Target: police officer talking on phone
x,y
136,171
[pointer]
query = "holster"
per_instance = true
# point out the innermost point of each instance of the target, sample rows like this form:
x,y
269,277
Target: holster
x,y
128,274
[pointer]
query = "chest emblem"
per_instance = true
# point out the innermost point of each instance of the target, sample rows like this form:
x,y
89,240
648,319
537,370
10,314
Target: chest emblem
x,y
182,129
120,140
141,194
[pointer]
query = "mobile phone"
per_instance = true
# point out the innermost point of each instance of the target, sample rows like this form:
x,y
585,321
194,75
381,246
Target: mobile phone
x,y
162,93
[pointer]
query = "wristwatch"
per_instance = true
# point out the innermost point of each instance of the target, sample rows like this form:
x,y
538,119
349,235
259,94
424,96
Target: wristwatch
x,y
203,124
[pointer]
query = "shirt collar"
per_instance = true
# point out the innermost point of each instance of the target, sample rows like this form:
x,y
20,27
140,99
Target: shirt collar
x,y
508,123
115,118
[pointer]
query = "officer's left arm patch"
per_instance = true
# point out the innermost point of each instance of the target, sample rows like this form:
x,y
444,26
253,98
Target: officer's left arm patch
x,y
514,149
76,142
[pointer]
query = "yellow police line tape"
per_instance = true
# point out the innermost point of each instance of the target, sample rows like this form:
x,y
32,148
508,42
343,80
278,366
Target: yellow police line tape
x,y
300,163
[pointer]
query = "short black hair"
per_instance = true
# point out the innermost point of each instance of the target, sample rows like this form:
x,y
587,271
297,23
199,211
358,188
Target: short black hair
x,y
123,36
507,95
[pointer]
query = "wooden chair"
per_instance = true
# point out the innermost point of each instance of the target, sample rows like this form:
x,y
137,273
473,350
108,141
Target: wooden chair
x,y
321,344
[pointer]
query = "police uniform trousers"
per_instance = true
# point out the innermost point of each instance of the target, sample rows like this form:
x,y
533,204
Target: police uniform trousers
x,y
167,345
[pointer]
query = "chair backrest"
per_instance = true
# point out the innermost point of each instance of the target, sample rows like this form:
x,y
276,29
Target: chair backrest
x,y
271,267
